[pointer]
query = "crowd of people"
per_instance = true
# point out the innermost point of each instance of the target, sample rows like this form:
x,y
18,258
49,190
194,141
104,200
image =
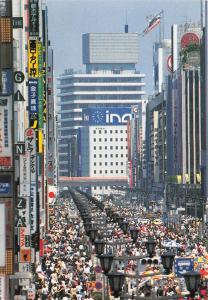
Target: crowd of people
x,y
68,263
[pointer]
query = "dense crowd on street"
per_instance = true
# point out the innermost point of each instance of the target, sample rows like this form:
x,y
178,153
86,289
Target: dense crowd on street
x,y
68,263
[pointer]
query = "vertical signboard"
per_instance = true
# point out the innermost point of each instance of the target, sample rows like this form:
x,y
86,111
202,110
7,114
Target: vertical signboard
x,y
34,18
33,59
5,132
40,85
2,235
30,146
6,82
2,288
33,95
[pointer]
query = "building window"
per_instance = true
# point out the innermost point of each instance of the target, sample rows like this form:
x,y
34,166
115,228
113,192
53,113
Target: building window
x,y
121,155
94,155
116,131
111,131
100,164
111,147
94,147
94,131
121,139
100,147
111,163
106,147
122,171
105,131
121,131
116,147
121,163
106,163
100,187
100,155
100,140
95,187
94,171
116,155
111,171
116,171
116,139
121,147
111,139
94,163
106,155
111,155
99,131
116,163
106,171
105,140
94,140
100,171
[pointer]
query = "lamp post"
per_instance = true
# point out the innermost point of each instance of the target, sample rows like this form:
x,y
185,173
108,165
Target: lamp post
x,y
93,234
192,280
116,281
99,246
106,261
150,245
167,261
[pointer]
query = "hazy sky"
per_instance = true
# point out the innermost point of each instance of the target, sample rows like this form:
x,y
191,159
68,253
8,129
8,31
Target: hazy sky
x,y
69,19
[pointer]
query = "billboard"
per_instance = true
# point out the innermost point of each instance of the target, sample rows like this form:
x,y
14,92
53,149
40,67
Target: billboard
x,y
33,18
33,59
5,132
40,85
106,116
33,95
2,235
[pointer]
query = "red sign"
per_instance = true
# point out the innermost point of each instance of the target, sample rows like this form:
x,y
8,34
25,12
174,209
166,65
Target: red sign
x,y
51,195
5,161
189,38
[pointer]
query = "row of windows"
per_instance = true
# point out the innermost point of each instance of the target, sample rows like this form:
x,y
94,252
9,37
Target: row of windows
x,y
106,163
111,140
100,89
101,79
86,105
108,172
109,131
135,97
111,155
111,147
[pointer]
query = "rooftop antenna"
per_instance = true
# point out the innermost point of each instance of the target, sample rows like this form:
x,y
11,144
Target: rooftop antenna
x,y
126,27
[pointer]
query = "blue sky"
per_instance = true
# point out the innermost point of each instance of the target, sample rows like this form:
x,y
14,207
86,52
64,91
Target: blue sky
x,y
69,19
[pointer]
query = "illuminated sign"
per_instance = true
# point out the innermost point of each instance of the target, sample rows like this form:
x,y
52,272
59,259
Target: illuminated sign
x,y
106,116
33,59
6,82
5,30
34,18
189,38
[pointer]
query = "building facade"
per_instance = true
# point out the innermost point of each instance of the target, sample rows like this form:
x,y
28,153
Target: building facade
x,y
109,81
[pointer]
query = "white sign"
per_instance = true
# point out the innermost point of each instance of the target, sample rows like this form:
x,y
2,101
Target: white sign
x,y
2,236
24,267
5,132
30,147
2,288
25,175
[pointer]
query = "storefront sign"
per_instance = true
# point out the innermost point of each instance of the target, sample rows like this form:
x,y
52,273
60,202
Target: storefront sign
x,y
2,235
34,18
33,59
6,82
183,265
33,95
189,38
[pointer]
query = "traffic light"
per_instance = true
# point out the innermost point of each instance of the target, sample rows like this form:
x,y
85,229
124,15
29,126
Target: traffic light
x,y
150,261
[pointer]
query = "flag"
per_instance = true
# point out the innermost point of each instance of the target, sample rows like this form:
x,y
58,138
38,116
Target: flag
x,y
153,23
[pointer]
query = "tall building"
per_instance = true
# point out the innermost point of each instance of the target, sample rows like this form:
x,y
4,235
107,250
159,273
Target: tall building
x,y
110,81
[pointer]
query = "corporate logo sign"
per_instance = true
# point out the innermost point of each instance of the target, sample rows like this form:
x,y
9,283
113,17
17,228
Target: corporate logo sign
x,y
106,116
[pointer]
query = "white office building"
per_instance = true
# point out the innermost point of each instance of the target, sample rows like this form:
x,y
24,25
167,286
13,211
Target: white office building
x,y
110,81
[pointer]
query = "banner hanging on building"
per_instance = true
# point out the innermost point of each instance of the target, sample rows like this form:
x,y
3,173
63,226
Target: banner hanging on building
x,y
34,18
33,95
33,59
5,132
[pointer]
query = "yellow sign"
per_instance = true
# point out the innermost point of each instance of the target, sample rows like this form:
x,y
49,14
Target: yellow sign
x,y
33,59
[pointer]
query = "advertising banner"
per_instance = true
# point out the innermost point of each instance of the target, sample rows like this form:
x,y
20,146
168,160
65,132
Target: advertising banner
x,y
40,85
106,116
6,82
5,132
33,59
2,235
34,18
33,95
30,147
25,174
183,265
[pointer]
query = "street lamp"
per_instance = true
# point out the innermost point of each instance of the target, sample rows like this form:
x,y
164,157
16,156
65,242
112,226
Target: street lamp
x,y
150,245
134,234
93,234
124,226
192,280
99,246
106,261
167,261
116,281
87,227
